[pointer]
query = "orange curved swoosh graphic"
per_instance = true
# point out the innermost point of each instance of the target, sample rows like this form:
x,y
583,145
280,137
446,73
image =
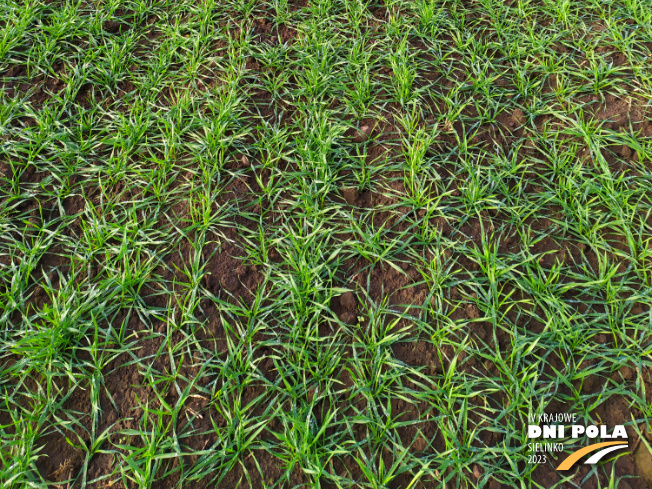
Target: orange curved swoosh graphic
x,y
575,456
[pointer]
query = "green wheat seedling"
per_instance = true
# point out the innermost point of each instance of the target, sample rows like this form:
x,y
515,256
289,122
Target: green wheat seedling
x,y
350,244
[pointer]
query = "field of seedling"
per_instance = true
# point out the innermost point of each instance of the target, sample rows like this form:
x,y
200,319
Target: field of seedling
x,y
323,243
